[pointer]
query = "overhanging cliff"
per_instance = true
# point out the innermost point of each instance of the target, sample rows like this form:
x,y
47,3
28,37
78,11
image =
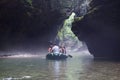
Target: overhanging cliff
x,y
100,28
32,22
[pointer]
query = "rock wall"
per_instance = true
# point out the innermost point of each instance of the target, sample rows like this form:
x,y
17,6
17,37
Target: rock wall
x,y
32,22
100,28
24,24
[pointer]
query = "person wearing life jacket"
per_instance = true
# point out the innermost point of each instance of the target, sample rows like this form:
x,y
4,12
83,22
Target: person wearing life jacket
x,y
56,49
63,49
50,49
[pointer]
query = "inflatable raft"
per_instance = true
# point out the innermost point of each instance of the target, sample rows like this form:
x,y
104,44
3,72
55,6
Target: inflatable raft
x,y
57,57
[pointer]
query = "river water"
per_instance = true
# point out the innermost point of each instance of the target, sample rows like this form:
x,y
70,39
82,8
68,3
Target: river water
x,y
80,67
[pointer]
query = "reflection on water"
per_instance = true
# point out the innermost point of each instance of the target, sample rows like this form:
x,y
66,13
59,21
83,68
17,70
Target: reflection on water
x,y
76,68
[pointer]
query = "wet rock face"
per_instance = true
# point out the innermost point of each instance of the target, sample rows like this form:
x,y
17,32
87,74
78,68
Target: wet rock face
x,y
101,28
27,21
32,21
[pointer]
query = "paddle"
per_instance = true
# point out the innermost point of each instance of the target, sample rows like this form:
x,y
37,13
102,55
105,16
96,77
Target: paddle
x,y
70,56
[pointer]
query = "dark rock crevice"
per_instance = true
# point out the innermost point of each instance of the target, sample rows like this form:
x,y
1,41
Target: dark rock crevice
x,y
32,22
100,29
25,24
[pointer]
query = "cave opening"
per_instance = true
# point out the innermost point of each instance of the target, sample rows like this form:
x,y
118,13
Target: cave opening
x,y
33,23
66,37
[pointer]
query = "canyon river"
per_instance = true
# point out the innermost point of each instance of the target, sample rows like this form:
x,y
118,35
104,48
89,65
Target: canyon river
x,y
80,67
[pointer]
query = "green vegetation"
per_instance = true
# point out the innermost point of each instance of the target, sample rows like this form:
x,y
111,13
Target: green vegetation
x,y
29,1
93,10
65,35
78,18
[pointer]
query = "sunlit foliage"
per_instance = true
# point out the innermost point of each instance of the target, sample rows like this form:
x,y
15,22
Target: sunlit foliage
x,y
66,36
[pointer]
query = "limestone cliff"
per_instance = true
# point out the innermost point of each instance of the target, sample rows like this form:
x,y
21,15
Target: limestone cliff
x,y
32,21
100,28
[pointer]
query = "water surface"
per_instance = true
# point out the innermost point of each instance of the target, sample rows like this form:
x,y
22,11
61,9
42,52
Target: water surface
x,y
76,68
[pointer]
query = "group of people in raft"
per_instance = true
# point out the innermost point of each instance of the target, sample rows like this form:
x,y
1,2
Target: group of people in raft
x,y
56,50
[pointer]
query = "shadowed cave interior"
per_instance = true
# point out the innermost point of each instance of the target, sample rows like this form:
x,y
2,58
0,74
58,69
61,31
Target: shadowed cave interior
x,y
29,25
